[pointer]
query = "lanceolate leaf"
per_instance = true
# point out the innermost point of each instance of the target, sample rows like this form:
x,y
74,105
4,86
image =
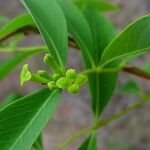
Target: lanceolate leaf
x,y
38,145
51,23
25,117
132,40
8,65
79,29
101,85
20,22
102,30
84,38
97,4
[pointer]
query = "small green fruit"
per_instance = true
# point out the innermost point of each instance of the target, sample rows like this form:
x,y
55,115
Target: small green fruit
x,y
62,83
73,89
52,64
81,79
51,85
71,73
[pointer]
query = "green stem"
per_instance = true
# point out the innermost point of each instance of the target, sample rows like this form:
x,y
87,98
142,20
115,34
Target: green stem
x,y
74,137
37,78
104,122
100,70
22,49
125,111
128,69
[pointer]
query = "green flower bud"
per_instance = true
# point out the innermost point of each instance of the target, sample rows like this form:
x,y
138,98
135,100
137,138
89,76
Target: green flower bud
x,y
25,74
48,59
71,74
73,89
44,74
55,76
62,83
81,79
51,85
52,64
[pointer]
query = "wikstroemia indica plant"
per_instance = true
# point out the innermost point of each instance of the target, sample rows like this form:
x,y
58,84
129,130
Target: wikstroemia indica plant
x,y
79,24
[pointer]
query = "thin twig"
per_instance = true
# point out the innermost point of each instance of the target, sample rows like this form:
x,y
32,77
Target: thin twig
x,y
22,49
26,30
100,70
128,69
30,29
102,123
136,71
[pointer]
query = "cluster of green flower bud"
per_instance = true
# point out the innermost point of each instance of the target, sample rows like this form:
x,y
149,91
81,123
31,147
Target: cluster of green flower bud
x,y
59,80
72,81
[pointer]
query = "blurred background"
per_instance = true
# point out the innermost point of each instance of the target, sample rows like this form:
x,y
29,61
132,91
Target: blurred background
x,y
132,132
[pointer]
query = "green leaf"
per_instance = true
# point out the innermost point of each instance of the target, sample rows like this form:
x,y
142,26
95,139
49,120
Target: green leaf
x,y
9,99
101,85
52,25
16,24
79,29
89,144
25,117
132,40
130,87
8,65
97,4
102,29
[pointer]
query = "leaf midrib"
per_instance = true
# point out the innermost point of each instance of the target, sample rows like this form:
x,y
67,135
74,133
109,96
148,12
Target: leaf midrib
x,y
52,42
124,55
32,120
101,63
